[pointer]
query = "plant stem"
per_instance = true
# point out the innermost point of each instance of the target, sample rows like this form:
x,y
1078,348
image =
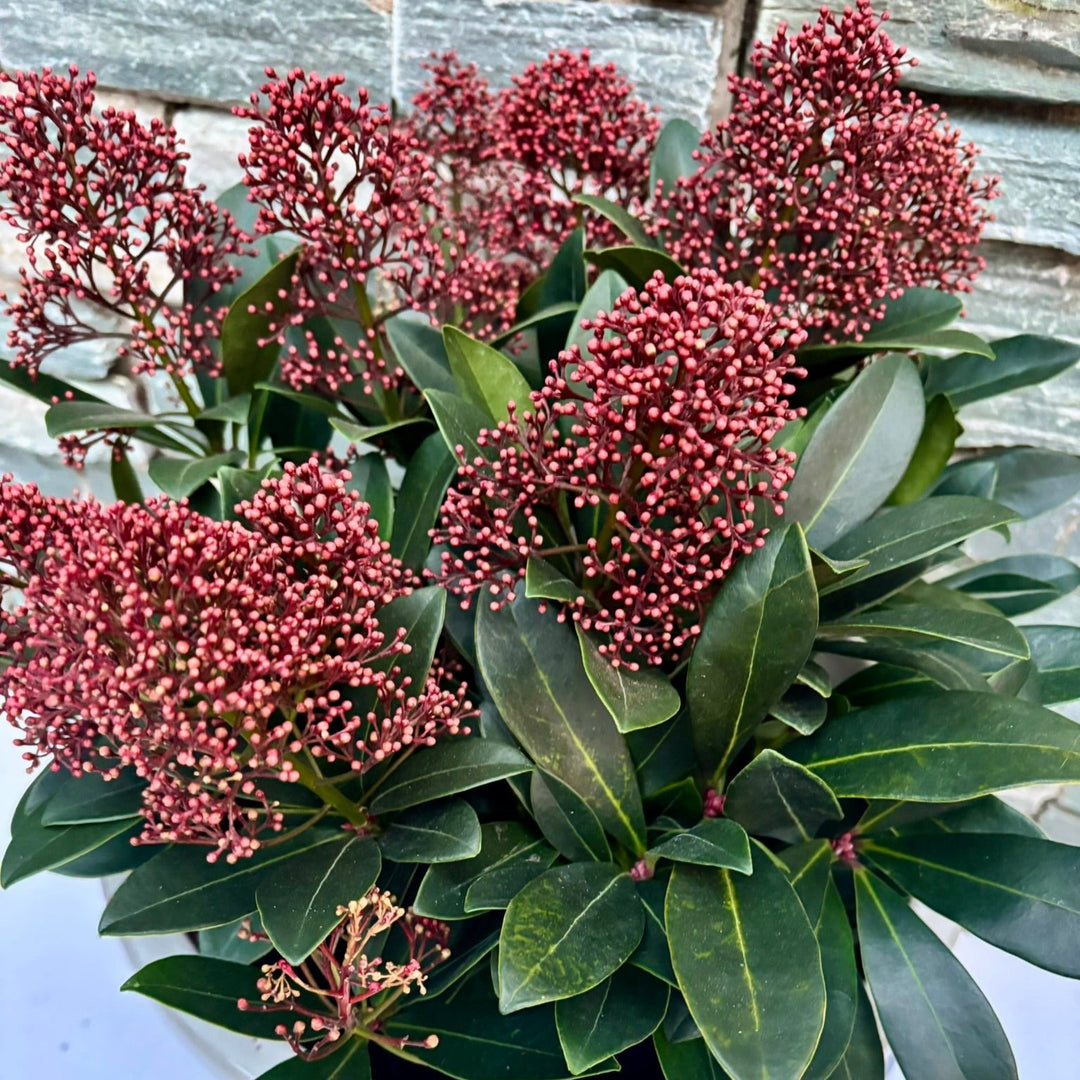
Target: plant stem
x,y
314,781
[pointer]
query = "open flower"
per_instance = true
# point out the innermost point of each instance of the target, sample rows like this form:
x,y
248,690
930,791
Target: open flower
x,y
209,655
650,452
827,186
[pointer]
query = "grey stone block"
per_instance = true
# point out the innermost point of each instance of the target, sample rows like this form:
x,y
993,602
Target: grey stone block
x,y
199,50
1027,49
213,138
673,57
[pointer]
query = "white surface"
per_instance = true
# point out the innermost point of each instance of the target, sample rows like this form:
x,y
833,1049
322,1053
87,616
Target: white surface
x,y
64,1017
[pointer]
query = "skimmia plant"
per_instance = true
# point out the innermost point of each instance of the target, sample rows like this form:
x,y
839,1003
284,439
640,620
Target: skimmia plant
x,y
554,631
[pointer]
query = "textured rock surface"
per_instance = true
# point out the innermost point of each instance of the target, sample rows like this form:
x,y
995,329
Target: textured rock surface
x,y
671,56
213,138
198,50
998,48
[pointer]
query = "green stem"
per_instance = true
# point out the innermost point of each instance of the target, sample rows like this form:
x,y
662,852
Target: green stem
x,y
389,403
314,781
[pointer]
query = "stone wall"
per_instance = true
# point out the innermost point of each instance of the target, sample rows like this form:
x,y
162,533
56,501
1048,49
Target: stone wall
x,y
1007,71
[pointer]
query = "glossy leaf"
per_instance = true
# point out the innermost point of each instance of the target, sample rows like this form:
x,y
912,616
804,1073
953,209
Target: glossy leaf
x,y
361,433
179,477
495,888
1020,893
116,856
418,347
1019,361
125,480
448,767
673,157
712,842
233,410
801,708
552,313
423,489
544,582
859,452
460,422
776,797
602,294
90,798
484,376
239,485
67,417
936,1019
566,281
532,665
932,452
619,216
178,890
298,902
1018,583
756,637
1056,653
625,1009
688,1059
565,932
749,967
863,1059
41,386
635,264
941,747
443,832
35,847
663,755
566,820
224,942
653,954
351,1062
635,699
207,988
1025,479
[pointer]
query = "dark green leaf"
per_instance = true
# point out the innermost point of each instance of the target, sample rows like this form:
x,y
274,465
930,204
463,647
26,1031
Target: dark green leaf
x,y
566,281
239,485
359,433
350,1062
801,708
941,668
1019,361
428,476
466,955
556,313
371,479
941,747
35,847
1056,653
450,766
1024,479
1018,583
686,1060
69,416
932,453
233,410
544,582
602,294
178,890
984,815
859,452
625,1009
484,376
663,755
418,347
757,635
207,988
115,856
460,422
653,954
673,157
712,842
533,667
936,1019
566,820
635,699
775,797
420,615
635,264
444,832
565,932
864,1059
619,216
298,901
125,480
179,477
749,967
494,889
225,943
42,387
881,682
1020,893
90,798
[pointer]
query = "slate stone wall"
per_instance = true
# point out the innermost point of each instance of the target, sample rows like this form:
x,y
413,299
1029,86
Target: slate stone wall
x,y
1007,71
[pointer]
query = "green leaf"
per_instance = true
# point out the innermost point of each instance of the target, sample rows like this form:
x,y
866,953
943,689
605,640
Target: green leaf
x,y
1026,480
477,1043
1056,653
115,856
240,485
466,955
179,477
444,832
637,265
494,889
444,887
749,967
359,433
673,157
1020,893
224,942
936,1019
653,954
371,479
233,410
776,797
565,932
66,417
484,376
904,535
1018,583
244,361
602,294
533,667
984,815
941,747
351,1062
625,1009
90,798
423,489
418,347
207,988
178,890
859,452
460,422
712,842
446,768
125,480
757,635
42,387
619,216
932,452
863,1059
553,313
663,755
566,281
298,901
566,820
544,582
1019,361
635,699
686,1060
801,708
420,614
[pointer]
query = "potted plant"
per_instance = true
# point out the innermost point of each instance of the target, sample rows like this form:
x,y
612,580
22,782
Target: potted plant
x,y
609,699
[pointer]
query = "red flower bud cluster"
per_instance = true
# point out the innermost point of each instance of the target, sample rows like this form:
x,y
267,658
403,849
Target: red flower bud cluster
x,y
828,187
208,655
651,452
114,232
